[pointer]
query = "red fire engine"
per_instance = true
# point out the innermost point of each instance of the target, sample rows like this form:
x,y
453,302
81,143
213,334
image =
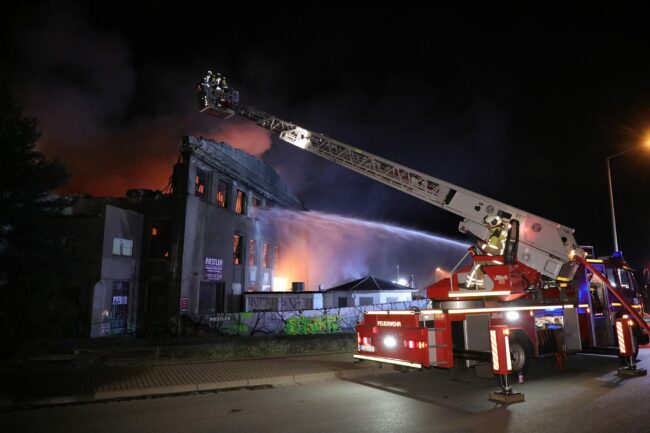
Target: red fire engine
x,y
523,271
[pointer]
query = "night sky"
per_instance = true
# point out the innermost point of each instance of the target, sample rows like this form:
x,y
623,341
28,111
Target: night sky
x,y
520,105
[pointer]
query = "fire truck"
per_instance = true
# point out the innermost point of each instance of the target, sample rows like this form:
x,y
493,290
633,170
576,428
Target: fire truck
x,y
522,270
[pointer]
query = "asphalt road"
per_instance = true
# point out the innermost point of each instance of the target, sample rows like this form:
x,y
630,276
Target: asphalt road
x,y
587,397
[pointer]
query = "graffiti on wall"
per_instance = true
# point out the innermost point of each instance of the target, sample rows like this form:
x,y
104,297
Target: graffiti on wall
x,y
301,322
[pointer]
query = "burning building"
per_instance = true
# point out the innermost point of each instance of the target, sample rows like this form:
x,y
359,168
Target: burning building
x,y
225,226
192,250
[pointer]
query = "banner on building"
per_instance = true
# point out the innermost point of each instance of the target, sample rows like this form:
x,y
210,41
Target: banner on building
x,y
213,269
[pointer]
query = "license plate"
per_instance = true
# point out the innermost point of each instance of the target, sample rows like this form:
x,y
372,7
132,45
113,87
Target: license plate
x,y
366,348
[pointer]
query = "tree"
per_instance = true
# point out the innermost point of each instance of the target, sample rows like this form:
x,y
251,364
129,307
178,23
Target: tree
x,y
28,258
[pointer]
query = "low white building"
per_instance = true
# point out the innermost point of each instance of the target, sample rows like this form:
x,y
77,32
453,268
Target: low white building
x,y
366,291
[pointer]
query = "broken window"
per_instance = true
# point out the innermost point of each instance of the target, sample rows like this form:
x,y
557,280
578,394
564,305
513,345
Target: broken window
x,y
257,203
240,204
211,297
160,242
237,249
222,194
365,300
265,255
200,184
251,252
122,247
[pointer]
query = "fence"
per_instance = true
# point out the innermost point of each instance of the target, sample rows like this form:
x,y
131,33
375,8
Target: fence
x,y
321,321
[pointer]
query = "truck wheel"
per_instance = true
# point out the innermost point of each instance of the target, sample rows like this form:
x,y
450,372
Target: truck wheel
x,y
519,356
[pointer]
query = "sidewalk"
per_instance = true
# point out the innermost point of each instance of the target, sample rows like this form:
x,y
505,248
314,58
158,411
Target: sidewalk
x,y
61,386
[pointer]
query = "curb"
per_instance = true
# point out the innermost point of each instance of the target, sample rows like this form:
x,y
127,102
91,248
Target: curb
x,y
105,396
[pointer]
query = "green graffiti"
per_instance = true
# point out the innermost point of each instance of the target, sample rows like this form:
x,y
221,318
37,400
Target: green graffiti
x,y
237,325
301,325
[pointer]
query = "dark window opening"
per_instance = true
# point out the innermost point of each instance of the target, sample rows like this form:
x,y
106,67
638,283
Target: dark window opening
x,y
365,300
222,194
160,243
342,302
156,299
211,297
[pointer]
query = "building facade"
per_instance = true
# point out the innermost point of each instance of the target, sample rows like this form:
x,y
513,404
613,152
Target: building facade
x,y
190,251
225,250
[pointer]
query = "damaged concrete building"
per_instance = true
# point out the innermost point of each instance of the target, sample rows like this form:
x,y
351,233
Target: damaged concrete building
x,y
192,250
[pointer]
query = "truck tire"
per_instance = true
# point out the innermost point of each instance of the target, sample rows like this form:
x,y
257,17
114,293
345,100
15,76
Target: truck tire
x,y
519,356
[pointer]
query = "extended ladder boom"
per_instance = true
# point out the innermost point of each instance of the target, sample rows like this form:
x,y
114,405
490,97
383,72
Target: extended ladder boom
x,y
543,245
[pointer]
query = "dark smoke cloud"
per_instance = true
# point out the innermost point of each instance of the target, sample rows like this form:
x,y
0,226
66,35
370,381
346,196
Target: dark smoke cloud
x,y
81,84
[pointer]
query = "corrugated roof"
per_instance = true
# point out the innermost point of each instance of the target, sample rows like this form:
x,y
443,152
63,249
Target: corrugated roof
x,y
369,283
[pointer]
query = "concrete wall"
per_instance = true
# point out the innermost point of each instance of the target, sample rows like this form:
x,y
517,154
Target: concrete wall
x,y
321,321
192,228
117,269
209,229
283,301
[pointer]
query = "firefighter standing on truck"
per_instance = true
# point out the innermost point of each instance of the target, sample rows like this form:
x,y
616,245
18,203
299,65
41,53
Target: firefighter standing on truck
x,y
498,235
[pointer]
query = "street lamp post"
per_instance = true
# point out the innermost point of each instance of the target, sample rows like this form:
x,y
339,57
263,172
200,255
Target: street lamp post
x,y
611,191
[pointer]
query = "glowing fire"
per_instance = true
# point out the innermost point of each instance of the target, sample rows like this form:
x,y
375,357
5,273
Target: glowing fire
x,y
280,284
327,250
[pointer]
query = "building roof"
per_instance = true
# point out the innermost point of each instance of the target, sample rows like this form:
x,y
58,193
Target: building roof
x,y
244,167
369,283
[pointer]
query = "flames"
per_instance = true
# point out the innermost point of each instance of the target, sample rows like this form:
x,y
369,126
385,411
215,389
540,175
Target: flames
x,y
322,249
280,284
141,156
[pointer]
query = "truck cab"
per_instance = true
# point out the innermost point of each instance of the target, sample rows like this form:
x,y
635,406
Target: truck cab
x,y
598,308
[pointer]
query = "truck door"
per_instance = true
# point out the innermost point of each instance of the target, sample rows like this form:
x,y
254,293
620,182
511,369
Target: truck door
x,y
599,306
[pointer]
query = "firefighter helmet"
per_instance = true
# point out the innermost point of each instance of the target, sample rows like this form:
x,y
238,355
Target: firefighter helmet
x,y
493,220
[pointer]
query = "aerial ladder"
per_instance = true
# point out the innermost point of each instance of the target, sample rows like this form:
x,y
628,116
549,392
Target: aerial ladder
x,y
517,258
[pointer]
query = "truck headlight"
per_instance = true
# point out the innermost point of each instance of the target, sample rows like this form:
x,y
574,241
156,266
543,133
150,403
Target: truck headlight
x,y
512,315
389,341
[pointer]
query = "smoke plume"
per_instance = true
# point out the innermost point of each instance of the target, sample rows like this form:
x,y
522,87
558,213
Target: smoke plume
x,y
80,83
327,250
